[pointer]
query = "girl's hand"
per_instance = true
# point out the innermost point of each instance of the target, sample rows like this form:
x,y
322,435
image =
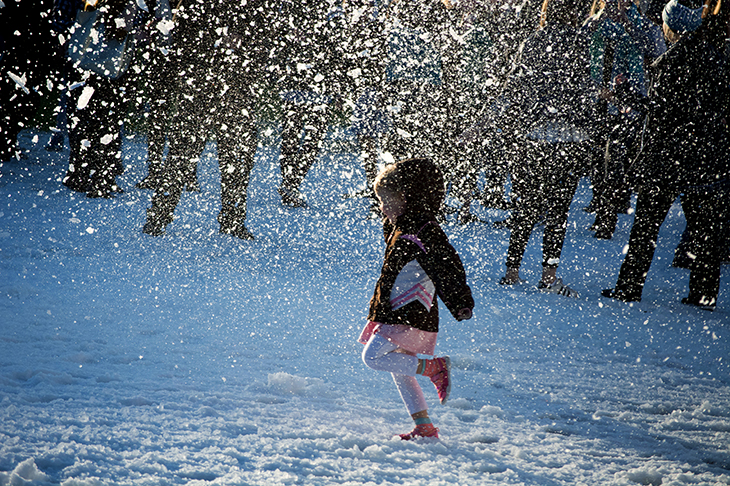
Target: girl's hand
x,y
463,314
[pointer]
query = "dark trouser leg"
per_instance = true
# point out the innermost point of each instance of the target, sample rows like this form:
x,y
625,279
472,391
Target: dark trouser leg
x,y
492,155
528,207
463,178
605,180
17,108
559,194
156,135
105,157
162,90
77,176
463,182
155,150
651,209
706,214
236,152
595,172
185,145
726,238
303,131
704,286
611,187
166,197
686,250
94,134
521,226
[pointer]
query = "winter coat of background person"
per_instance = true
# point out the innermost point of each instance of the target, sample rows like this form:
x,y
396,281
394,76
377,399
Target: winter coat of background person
x,y
550,93
550,113
96,108
365,52
220,51
623,42
157,67
310,62
420,70
27,58
686,151
686,127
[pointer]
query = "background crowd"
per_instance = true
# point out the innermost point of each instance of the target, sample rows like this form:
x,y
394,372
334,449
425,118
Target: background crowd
x,y
535,92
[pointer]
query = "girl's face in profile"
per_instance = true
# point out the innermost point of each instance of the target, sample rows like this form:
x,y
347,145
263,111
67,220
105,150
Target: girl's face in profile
x,y
392,204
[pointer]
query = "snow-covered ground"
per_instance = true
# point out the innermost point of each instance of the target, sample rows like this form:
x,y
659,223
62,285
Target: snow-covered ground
x,y
197,358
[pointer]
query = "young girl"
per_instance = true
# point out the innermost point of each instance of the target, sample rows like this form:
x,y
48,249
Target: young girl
x,y
419,264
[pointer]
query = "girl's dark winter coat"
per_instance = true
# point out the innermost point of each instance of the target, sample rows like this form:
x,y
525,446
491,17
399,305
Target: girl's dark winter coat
x,y
437,257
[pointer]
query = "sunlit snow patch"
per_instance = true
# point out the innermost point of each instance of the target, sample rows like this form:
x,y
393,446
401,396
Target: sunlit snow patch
x,y
86,95
285,384
24,473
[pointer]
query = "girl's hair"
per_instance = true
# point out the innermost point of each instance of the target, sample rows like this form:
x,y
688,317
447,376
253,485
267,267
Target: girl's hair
x,y
419,181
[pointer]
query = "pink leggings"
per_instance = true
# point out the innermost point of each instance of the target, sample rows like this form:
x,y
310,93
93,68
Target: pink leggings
x,y
379,354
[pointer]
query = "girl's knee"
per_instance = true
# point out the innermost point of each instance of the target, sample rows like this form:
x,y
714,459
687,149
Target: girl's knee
x,y
366,358
373,362
370,357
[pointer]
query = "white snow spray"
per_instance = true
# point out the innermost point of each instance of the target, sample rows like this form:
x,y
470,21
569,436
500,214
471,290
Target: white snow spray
x,y
86,95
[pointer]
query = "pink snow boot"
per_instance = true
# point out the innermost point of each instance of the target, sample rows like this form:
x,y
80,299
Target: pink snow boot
x,y
439,370
423,430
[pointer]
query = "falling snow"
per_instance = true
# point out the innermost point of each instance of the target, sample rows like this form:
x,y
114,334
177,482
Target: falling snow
x,y
198,358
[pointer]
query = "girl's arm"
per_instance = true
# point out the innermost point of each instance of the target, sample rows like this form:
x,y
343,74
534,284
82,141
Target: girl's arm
x,y
446,271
